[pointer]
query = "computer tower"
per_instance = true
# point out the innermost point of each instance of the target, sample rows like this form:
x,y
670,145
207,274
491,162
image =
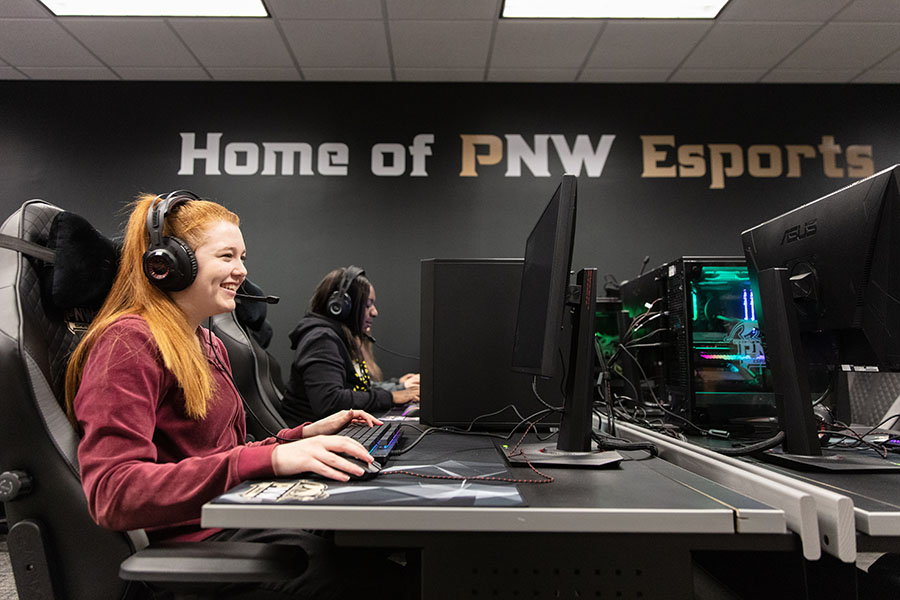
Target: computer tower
x,y
468,320
696,345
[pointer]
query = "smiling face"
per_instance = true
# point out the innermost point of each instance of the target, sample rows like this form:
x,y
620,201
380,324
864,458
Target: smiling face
x,y
220,271
369,311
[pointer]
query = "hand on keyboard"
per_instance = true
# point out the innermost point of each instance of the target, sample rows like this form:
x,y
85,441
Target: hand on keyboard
x,y
334,423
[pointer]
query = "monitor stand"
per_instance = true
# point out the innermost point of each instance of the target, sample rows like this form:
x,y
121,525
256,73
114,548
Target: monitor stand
x,y
544,454
574,446
837,461
801,449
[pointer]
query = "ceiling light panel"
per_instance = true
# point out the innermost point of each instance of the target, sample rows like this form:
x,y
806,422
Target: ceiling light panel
x,y
157,8
612,9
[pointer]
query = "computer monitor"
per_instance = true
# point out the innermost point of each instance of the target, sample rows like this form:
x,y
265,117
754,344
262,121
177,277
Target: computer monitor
x,y
546,302
830,295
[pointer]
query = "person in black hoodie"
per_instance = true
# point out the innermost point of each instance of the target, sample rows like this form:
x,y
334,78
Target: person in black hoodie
x,y
329,372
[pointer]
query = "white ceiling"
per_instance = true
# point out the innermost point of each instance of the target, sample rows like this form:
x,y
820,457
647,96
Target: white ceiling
x,y
767,41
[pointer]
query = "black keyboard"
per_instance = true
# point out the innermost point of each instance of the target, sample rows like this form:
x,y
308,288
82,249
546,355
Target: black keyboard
x,y
379,440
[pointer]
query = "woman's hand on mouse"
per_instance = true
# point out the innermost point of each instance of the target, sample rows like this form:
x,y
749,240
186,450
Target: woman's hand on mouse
x,y
337,421
320,455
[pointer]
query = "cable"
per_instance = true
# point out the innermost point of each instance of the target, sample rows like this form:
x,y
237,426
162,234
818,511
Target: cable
x,y
655,399
545,478
610,443
541,400
752,448
395,353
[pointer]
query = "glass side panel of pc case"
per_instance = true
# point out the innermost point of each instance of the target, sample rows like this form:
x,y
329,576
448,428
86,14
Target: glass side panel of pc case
x,y
698,344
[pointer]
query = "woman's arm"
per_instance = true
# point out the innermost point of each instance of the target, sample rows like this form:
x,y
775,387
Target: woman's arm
x,y
131,478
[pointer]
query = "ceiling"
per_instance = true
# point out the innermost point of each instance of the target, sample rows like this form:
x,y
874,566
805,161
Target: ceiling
x,y
751,41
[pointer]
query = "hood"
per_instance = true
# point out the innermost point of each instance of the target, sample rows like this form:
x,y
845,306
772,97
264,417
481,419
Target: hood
x,y
311,322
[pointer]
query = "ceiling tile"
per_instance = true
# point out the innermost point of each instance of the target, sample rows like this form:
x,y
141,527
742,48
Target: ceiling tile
x,y
645,44
891,63
624,75
162,74
24,8
254,74
748,45
338,43
873,11
131,42
717,75
442,9
234,42
334,74
809,76
10,73
405,74
460,40
440,43
781,10
41,43
879,77
847,46
543,44
69,73
537,75
325,9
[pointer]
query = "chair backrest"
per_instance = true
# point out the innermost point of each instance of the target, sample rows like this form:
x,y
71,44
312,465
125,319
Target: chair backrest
x,y
55,548
252,369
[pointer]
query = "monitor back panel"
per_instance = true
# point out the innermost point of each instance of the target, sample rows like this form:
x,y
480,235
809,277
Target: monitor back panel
x,y
468,320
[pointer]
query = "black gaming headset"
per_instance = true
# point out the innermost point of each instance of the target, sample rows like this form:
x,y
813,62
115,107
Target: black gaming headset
x,y
340,305
169,263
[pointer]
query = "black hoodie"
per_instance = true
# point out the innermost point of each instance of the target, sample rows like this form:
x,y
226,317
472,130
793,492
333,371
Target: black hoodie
x,y
322,375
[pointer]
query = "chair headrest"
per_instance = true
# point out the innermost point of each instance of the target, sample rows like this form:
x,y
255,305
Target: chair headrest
x,y
84,268
253,314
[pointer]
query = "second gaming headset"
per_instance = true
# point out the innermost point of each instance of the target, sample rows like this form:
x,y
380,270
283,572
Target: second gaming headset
x,y
340,305
169,263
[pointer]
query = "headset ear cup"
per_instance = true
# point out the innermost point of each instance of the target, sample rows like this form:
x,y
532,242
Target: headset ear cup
x,y
171,267
339,305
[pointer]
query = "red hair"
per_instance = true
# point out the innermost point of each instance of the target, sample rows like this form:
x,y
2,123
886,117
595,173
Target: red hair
x,y
132,293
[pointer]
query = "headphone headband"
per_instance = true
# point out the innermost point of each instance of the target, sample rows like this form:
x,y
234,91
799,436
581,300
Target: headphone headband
x,y
349,276
160,208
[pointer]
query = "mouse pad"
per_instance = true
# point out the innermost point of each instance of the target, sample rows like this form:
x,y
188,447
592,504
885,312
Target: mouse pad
x,y
400,489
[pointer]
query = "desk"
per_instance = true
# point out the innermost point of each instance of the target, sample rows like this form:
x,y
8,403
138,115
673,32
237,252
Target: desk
x,y
876,503
854,511
628,530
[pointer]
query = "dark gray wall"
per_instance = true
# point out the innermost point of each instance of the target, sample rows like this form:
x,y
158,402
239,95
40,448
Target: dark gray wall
x,y
91,147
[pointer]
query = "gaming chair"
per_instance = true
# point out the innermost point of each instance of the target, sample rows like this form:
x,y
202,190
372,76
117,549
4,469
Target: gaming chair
x,y
254,375
47,297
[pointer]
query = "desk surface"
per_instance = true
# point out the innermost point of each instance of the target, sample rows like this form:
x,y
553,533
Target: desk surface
x,y
876,497
855,510
641,495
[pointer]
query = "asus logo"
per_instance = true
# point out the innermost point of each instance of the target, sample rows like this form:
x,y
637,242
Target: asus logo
x,y
798,232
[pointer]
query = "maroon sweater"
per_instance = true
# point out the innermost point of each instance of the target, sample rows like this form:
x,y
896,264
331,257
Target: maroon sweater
x,y
144,463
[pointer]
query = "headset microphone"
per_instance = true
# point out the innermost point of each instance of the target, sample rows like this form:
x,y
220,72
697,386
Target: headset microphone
x,y
252,298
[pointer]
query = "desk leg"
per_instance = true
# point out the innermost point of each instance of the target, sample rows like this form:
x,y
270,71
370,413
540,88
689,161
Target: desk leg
x,y
759,574
828,577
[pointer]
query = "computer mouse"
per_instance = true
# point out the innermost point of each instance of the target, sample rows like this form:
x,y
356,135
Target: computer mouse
x,y
411,412
370,470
